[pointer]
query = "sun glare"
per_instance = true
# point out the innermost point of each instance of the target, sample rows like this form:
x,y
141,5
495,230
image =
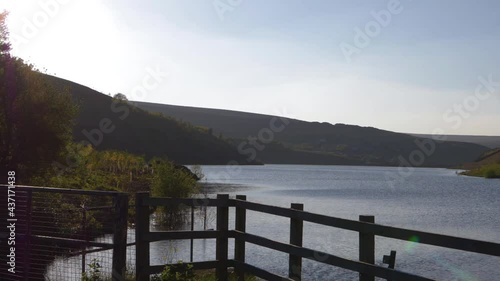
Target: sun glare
x,y
16,6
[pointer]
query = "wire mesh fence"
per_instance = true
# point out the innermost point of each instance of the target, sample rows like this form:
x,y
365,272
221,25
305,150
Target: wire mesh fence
x,y
61,234
66,235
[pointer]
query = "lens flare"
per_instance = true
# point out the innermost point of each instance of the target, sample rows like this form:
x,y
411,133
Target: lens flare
x,y
412,244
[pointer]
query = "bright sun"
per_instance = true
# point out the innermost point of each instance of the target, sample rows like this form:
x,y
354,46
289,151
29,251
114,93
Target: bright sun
x,y
16,6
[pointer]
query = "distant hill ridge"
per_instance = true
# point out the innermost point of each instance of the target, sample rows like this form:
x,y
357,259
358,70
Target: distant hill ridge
x,y
488,141
190,135
334,144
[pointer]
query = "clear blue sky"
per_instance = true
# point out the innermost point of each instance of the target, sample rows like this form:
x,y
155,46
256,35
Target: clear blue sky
x,y
280,57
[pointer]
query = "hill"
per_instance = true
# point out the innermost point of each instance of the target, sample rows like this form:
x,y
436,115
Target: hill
x,y
112,125
487,165
346,144
488,158
488,141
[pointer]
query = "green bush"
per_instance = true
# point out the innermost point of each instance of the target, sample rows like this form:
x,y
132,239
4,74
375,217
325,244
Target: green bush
x,y
179,272
171,182
184,272
95,272
168,181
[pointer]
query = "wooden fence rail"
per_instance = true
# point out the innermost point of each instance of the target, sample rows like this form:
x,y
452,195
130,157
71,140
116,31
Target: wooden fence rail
x,y
366,228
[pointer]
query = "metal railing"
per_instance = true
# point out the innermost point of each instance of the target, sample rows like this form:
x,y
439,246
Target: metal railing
x,y
55,224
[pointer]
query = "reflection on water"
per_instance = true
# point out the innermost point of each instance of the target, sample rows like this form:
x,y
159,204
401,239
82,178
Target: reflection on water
x,y
435,200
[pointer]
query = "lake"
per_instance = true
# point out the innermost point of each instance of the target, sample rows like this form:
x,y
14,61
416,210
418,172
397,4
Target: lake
x,y
434,200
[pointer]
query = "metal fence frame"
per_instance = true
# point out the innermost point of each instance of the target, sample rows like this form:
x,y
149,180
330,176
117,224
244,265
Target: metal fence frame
x,y
25,238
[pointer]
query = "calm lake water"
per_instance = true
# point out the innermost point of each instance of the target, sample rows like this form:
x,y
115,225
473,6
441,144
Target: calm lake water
x,y
434,200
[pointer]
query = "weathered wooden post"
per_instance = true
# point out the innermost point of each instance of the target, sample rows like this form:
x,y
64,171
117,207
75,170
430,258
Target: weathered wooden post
x,y
390,260
141,230
86,238
239,245
222,239
367,248
120,237
191,251
296,235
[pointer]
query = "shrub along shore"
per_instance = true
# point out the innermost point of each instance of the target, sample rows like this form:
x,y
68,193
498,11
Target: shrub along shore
x,y
490,171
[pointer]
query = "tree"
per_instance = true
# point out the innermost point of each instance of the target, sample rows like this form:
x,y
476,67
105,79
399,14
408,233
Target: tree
x,y
36,118
120,97
4,34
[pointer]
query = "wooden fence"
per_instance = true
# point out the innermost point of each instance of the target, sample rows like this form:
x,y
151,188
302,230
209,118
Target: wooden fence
x,y
365,227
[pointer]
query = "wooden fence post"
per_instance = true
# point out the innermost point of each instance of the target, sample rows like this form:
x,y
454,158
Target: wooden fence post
x,y
239,245
367,248
120,237
191,245
86,238
296,235
27,254
222,240
141,229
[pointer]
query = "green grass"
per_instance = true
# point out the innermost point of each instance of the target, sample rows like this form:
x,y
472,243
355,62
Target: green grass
x,y
206,276
231,277
487,171
184,273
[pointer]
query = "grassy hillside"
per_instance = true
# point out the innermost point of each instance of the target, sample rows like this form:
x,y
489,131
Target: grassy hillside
x,y
487,171
487,165
490,157
110,125
344,143
487,158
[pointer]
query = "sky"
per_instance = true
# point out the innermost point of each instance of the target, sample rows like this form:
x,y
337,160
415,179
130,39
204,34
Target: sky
x,y
400,65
